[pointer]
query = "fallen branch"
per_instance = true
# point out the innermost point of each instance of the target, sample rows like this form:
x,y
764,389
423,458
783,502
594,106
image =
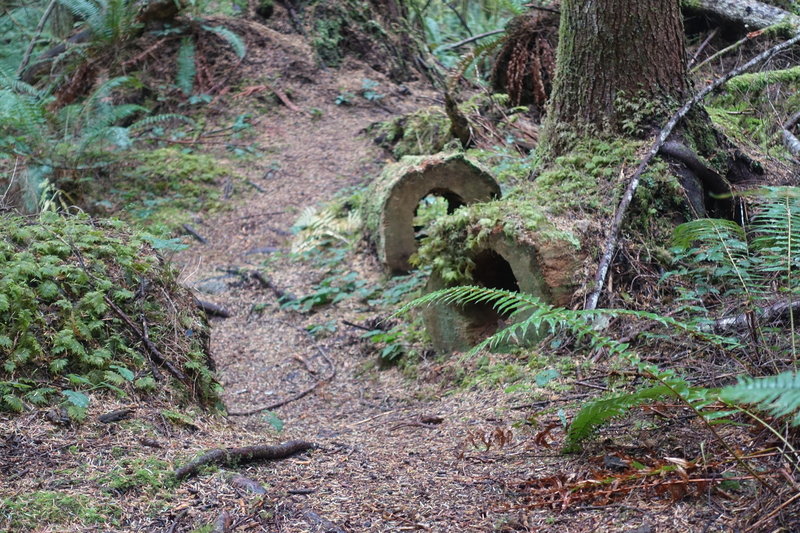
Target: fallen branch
x,y
191,231
791,142
742,321
155,355
468,40
26,58
305,392
212,308
612,240
247,454
750,13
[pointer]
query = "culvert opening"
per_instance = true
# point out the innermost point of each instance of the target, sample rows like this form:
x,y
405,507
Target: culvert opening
x,y
492,271
435,204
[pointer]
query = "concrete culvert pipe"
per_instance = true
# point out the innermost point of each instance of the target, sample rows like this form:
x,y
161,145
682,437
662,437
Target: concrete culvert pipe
x,y
395,196
500,263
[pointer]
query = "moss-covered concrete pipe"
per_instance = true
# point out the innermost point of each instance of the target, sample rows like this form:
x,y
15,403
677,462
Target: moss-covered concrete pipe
x,y
503,262
394,197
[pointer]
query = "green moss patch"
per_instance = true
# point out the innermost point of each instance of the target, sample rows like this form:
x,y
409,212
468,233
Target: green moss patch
x,y
161,188
62,340
27,512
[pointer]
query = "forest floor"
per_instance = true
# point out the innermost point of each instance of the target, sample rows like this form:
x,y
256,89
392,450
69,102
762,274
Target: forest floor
x,y
395,451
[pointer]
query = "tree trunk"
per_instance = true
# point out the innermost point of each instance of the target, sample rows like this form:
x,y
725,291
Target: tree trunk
x,y
612,51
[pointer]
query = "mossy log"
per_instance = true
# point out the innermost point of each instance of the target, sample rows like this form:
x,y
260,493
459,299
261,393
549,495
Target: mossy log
x,y
752,14
394,197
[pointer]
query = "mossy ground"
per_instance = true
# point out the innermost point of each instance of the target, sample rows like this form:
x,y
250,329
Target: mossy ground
x,y
61,342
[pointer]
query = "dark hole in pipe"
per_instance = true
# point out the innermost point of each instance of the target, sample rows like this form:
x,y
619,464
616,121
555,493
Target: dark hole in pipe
x,y
431,206
492,271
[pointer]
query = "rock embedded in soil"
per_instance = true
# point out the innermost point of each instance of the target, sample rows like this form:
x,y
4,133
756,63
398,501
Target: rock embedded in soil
x,y
394,197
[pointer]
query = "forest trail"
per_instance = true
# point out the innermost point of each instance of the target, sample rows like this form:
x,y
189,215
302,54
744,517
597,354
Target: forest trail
x,y
396,453
379,468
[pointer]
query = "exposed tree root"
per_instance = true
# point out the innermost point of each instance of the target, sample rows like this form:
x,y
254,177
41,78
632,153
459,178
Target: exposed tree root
x,y
212,308
247,454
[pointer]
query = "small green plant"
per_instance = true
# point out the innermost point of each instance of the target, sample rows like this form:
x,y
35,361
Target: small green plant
x,y
368,90
345,98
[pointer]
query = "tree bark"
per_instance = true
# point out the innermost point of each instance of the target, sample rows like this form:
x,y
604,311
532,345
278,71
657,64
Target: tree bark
x,y
596,67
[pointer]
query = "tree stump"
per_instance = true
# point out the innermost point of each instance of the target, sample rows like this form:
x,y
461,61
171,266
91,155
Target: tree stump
x,y
395,195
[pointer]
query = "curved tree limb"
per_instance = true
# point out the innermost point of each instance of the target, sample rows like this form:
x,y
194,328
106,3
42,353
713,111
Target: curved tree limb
x,y
247,454
38,31
612,239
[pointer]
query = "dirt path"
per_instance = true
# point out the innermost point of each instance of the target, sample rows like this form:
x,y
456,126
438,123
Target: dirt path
x,y
379,468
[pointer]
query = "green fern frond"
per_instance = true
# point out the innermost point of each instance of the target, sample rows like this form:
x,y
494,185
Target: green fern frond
x,y
476,53
778,395
235,42
186,70
157,119
709,230
546,319
777,228
83,9
598,412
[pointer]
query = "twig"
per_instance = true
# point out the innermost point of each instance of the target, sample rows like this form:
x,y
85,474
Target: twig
x,y
212,308
256,186
267,284
543,8
702,47
357,326
742,321
758,525
247,454
304,392
750,36
468,40
613,237
155,355
177,521
191,231
38,31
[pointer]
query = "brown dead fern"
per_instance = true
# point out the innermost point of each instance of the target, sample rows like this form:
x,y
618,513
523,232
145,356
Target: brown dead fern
x,y
526,62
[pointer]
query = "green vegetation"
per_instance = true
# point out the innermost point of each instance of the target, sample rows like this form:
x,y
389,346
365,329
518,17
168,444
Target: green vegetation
x,y
753,267
61,340
27,512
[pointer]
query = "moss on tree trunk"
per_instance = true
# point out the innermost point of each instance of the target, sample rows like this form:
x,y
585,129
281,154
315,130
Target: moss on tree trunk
x,y
611,52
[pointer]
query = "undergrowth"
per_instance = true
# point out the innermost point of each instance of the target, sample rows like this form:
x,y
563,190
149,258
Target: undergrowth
x,y
62,340
755,266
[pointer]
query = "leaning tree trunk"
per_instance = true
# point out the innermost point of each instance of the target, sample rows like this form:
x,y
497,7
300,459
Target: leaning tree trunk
x,y
610,50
